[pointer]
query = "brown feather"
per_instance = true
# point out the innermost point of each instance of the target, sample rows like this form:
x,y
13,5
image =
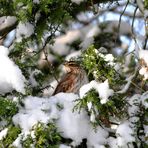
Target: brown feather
x,y
73,80
66,83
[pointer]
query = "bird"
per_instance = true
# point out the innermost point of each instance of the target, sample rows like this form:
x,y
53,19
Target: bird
x,y
74,78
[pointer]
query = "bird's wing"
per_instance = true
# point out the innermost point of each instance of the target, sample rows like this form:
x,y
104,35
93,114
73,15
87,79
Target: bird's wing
x,y
66,84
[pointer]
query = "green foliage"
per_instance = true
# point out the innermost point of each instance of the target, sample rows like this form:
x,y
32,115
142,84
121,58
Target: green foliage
x,y
12,134
96,65
146,4
27,142
8,108
45,136
115,107
98,68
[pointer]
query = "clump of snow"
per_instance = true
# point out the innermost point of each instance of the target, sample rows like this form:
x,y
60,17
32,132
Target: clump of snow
x,y
93,117
134,102
102,88
113,25
82,16
86,42
89,105
36,1
64,146
85,34
24,30
32,113
143,54
144,72
3,133
10,76
127,85
60,45
144,99
108,58
73,55
124,134
77,1
50,90
97,138
17,142
69,123
7,21
32,80
112,142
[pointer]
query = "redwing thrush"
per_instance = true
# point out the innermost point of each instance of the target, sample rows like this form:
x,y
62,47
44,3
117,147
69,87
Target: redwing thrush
x,y
73,79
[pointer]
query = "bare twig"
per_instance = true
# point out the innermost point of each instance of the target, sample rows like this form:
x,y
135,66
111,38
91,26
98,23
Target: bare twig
x,y
127,14
142,90
121,16
49,64
100,13
133,20
145,42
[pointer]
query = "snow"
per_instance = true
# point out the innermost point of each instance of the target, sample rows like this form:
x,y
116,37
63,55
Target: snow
x,y
127,85
36,1
125,27
32,80
17,142
73,55
11,76
144,100
6,21
97,138
143,71
3,133
86,42
124,134
112,142
107,57
102,88
50,90
104,91
24,30
61,43
64,146
77,1
143,54
92,117
32,113
69,123
89,105
133,108
85,34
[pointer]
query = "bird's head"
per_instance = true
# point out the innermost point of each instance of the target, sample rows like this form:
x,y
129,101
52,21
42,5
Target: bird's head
x,y
71,66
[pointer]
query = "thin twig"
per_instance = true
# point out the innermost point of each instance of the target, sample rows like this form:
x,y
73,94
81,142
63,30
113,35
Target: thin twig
x,y
133,20
137,86
49,64
145,42
121,18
